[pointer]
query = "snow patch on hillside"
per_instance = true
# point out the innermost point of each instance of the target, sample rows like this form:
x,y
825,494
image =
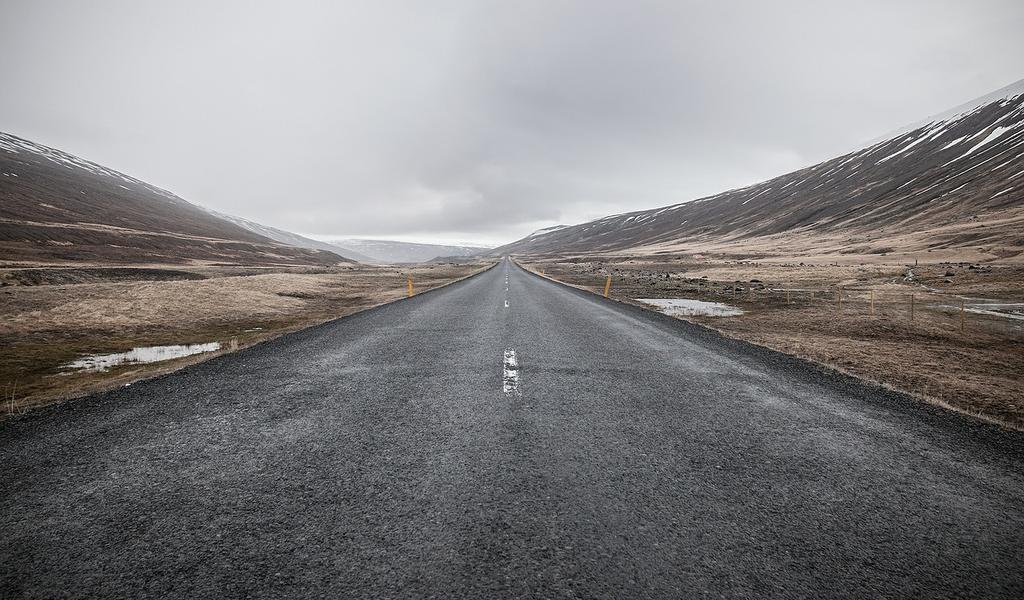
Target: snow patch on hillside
x,y
16,145
546,230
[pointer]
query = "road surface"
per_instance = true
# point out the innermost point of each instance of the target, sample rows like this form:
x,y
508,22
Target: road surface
x,y
502,437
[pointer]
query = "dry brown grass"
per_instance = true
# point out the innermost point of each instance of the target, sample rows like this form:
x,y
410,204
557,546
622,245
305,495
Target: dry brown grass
x,y
47,326
977,371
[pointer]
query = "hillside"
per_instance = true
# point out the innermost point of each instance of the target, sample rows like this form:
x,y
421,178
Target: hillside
x,y
292,239
360,250
57,207
953,185
393,252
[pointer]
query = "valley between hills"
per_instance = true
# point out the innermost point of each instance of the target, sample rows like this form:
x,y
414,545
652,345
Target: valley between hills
x,y
822,263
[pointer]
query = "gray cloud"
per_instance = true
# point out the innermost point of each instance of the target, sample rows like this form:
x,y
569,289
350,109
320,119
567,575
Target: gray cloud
x,y
481,120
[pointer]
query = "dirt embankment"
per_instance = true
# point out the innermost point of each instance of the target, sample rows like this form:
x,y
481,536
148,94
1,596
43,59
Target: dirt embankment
x,y
898,325
51,317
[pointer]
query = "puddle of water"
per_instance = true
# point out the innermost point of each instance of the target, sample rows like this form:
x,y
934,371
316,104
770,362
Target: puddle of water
x,y
146,354
684,307
1012,310
1008,310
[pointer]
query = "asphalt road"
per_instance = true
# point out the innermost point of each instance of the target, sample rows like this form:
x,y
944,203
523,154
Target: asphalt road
x,y
449,446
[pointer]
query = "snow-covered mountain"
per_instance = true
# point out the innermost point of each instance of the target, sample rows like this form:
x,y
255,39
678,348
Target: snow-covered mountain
x,y
291,239
57,207
393,252
361,250
953,181
546,230
1004,93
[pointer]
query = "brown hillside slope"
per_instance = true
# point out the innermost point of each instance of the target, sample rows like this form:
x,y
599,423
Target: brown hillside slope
x,y
56,207
954,185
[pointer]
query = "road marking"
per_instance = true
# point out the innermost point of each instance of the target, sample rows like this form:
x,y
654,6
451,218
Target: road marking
x,y
511,373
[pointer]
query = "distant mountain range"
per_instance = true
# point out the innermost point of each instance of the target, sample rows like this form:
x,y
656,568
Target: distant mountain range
x,y
392,252
952,184
364,251
57,207
291,239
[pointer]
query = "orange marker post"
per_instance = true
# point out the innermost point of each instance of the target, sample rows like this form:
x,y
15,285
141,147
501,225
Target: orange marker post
x,y
409,283
607,285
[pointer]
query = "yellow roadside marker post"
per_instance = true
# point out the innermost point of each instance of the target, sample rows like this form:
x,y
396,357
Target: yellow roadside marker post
x,y
607,285
409,283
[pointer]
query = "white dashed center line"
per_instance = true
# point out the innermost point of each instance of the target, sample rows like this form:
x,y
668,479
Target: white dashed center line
x,y
511,373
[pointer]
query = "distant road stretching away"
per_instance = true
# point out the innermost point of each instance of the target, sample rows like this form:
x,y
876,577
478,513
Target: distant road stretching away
x,y
499,440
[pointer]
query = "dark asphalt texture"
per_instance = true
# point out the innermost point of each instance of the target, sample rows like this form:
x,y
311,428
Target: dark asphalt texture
x,y
377,456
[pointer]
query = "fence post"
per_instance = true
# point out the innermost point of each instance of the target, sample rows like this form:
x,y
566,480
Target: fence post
x,y
607,285
911,308
788,300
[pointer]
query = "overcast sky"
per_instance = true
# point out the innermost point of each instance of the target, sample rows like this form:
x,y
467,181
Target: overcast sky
x,y
480,121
